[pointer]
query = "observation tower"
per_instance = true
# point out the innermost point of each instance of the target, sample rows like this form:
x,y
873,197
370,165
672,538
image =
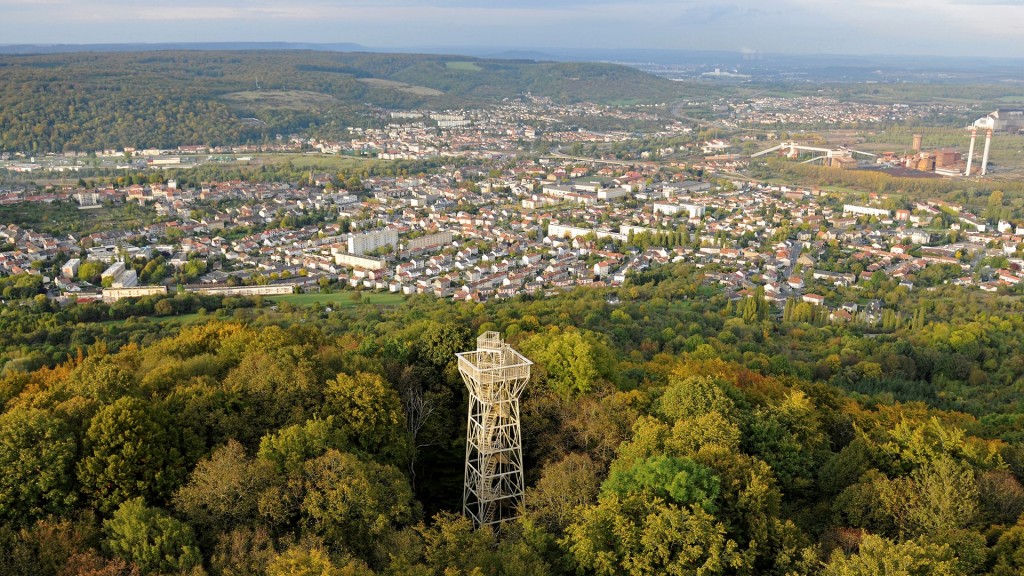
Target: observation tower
x,y
495,375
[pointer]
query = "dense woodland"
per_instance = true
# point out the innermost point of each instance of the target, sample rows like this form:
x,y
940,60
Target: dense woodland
x,y
96,101
666,430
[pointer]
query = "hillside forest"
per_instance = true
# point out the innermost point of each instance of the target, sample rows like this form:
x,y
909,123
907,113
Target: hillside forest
x,y
667,430
89,102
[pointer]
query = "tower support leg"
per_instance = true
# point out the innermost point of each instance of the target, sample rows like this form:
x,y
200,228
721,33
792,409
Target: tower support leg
x,y
970,151
984,156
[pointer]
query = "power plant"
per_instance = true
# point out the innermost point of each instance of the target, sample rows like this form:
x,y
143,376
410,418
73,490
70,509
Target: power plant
x,y
945,162
1002,120
835,157
495,375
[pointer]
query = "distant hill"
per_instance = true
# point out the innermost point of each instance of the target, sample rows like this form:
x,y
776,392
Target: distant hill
x,y
140,47
94,100
522,55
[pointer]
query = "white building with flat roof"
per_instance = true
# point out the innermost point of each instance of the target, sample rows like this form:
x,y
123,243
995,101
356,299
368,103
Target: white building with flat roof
x,y
866,211
671,209
115,294
369,241
70,268
430,241
607,194
113,271
355,261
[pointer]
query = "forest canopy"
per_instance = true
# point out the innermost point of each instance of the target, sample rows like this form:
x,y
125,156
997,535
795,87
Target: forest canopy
x,y
310,441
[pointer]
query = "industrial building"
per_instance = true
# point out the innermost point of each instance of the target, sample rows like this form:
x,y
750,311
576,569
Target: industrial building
x,y
841,157
1001,120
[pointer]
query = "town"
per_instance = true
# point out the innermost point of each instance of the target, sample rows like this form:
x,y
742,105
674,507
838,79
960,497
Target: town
x,y
519,233
497,218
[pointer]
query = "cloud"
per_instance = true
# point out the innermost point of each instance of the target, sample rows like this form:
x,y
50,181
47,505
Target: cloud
x,y
809,26
989,2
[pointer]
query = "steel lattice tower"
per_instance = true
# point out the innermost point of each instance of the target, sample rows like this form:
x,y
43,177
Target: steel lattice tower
x,y
495,375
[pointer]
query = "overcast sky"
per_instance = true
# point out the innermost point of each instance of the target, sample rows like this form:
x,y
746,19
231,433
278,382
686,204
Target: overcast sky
x,y
940,27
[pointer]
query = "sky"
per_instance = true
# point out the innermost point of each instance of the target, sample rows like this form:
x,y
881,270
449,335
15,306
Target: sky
x,y
902,27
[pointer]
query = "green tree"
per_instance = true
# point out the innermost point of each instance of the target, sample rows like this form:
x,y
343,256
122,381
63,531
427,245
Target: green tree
x,y
90,270
881,557
224,490
677,480
689,436
37,452
939,496
302,560
639,536
127,453
150,538
1009,551
369,412
452,545
101,378
353,184
570,360
436,348
563,487
274,385
994,207
288,449
163,308
353,504
788,436
690,396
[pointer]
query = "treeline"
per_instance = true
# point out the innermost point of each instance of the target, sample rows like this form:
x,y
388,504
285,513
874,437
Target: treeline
x,y
666,430
37,333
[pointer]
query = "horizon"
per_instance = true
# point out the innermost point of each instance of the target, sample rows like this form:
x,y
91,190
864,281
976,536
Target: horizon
x,y
988,28
640,58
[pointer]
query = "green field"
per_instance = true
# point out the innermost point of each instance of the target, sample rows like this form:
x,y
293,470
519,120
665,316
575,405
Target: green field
x,y
344,298
60,218
281,99
180,320
401,87
318,161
